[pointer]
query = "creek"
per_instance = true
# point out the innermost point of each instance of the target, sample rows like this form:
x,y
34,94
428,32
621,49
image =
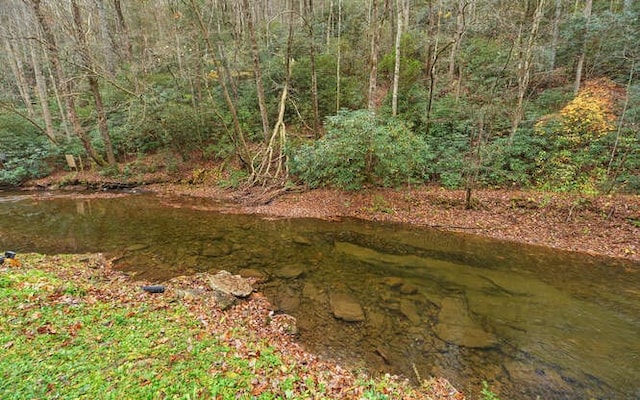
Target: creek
x,y
530,321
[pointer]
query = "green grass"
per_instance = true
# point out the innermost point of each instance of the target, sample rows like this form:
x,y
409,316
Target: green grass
x,y
69,350
56,344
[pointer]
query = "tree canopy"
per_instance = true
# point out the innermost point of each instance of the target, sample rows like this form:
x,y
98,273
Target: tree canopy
x,y
538,93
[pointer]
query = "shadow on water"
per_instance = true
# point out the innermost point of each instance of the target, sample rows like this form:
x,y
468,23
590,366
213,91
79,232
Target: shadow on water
x,y
528,320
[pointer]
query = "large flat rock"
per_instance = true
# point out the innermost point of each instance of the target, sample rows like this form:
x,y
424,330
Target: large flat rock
x,y
346,308
236,285
456,326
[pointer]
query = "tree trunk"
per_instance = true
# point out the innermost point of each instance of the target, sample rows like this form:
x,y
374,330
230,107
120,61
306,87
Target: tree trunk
x,y
555,35
620,125
41,86
524,67
433,53
239,140
15,62
92,78
257,71
339,56
375,45
460,29
65,84
314,73
106,41
123,31
583,52
273,167
396,69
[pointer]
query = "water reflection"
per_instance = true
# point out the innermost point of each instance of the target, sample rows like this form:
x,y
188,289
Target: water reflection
x,y
530,321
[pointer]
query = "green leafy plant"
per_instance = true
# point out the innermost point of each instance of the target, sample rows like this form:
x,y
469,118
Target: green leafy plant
x,y
486,392
26,153
360,149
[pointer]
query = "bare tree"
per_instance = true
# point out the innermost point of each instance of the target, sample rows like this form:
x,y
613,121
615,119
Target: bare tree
x,y
555,34
223,78
257,70
583,52
272,169
92,77
525,59
65,83
41,86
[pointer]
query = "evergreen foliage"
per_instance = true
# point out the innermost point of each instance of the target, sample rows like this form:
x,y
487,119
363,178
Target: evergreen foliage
x,y
24,152
360,149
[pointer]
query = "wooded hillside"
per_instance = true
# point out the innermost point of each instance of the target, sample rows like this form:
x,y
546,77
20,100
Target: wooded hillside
x,y
462,93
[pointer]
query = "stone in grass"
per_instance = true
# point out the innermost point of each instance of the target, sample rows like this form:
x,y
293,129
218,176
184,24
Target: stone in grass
x,y
344,307
235,285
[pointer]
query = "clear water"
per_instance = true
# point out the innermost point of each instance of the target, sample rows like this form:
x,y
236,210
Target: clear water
x,y
531,321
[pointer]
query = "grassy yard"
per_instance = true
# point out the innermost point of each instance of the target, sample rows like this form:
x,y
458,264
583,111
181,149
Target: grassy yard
x,y
70,327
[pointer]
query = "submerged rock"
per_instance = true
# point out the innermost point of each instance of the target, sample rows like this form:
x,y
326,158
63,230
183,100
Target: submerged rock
x,y
393,281
290,272
456,326
344,307
301,240
259,276
410,311
289,304
312,292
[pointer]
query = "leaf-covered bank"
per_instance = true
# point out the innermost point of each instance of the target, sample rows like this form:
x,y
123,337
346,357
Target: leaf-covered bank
x,y
72,327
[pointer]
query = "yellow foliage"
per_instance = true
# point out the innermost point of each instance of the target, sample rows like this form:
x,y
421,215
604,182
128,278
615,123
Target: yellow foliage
x,y
590,114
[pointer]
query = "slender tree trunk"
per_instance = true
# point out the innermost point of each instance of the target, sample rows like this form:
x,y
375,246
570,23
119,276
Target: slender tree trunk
x,y
524,67
41,86
273,167
239,140
396,69
555,34
65,84
308,19
17,67
257,71
92,78
123,31
373,60
106,39
460,29
433,53
621,123
583,53
339,60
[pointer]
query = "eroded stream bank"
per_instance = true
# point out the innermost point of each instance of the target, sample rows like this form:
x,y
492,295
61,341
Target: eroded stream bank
x,y
528,320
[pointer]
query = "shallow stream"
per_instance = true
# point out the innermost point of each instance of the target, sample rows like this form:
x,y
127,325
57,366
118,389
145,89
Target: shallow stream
x,y
530,321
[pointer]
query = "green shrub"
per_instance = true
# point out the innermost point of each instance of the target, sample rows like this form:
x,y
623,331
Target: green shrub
x,y
448,145
361,149
26,151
